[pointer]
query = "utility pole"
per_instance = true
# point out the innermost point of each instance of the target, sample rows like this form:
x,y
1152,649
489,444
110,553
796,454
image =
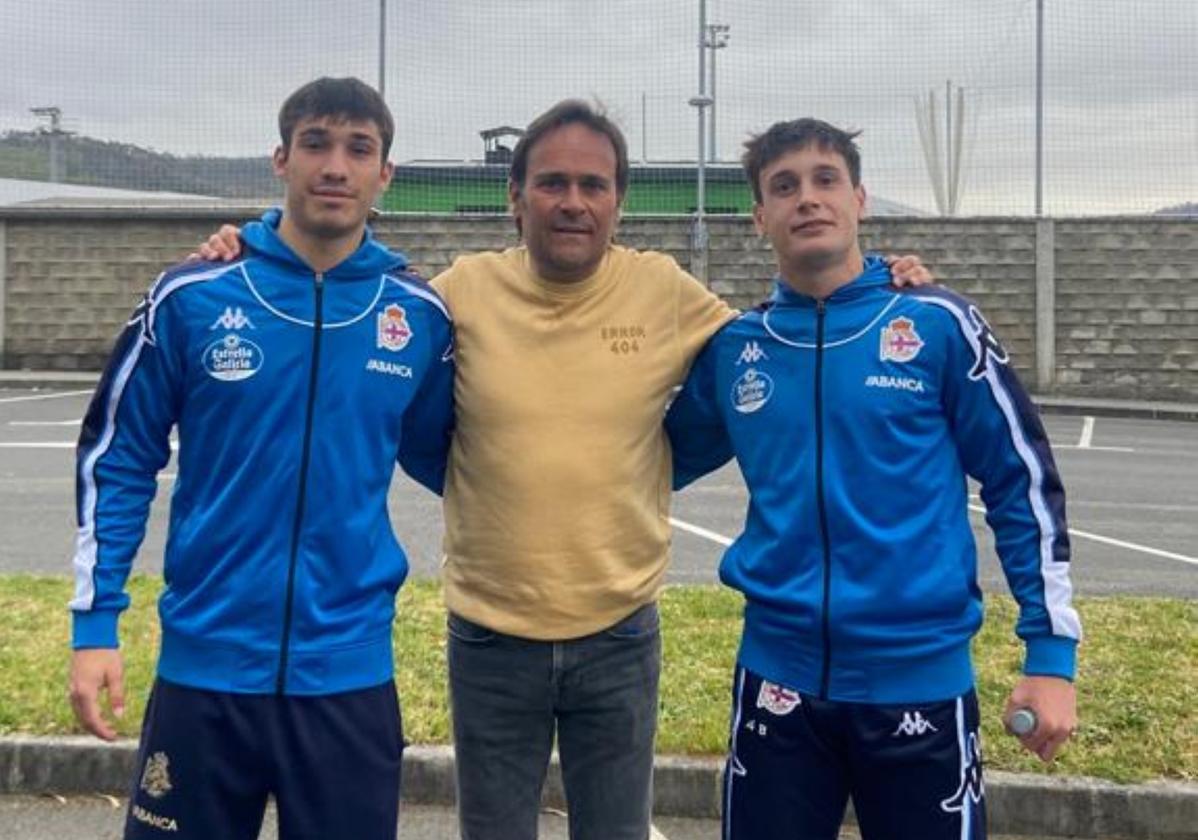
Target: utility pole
x,y
717,39
54,113
383,48
1039,108
700,103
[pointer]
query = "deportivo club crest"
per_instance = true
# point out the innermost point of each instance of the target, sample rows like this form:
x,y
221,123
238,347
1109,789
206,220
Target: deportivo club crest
x,y
900,341
394,332
777,699
156,778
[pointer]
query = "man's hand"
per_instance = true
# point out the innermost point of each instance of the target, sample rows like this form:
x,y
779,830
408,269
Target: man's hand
x,y
92,671
906,270
222,246
1054,701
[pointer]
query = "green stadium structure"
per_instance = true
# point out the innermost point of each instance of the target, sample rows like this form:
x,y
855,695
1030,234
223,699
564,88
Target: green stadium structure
x,y
443,187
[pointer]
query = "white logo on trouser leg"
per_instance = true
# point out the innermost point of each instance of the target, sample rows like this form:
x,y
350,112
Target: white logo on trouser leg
x,y
913,723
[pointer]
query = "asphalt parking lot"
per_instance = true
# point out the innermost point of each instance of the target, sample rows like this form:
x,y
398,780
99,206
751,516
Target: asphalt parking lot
x,y
101,818
1132,489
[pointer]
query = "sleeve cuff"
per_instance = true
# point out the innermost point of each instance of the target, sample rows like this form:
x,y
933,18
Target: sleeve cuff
x,y
94,629
1051,656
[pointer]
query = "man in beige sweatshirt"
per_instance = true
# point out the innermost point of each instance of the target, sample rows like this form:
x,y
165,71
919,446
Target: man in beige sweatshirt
x,y
558,489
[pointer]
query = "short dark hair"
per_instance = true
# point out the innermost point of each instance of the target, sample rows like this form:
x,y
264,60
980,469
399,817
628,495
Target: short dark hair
x,y
347,99
782,137
569,112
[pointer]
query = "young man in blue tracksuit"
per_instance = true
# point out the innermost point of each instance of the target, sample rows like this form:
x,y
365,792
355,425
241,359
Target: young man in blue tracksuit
x,y
295,377
856,412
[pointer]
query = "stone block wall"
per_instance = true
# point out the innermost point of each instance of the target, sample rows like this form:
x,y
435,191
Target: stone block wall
x,y
1125,290
1127,308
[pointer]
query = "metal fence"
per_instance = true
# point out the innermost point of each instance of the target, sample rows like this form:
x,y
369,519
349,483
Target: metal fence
x,y
181,97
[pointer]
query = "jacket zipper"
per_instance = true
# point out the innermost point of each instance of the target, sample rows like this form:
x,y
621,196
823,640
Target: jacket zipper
x,y
281,684
825,622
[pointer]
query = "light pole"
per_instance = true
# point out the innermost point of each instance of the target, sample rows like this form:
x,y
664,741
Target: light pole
x,y
383,48
1039,108
700,103
717,39
55,131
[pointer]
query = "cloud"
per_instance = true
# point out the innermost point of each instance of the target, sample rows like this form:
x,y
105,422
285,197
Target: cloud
x,y
208,77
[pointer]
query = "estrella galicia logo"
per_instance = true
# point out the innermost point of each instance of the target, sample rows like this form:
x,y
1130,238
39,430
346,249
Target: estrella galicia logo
x,y
751,390
988,345
970,788
232,358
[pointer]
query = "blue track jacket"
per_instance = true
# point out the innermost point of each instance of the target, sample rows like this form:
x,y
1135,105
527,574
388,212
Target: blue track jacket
x,y
855,421
293,393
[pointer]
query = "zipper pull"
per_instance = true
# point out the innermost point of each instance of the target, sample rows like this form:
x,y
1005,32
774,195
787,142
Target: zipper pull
x,y
319,277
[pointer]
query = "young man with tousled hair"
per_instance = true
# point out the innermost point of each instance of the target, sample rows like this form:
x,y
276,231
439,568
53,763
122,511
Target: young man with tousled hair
x,y
856,412
558,488
296,377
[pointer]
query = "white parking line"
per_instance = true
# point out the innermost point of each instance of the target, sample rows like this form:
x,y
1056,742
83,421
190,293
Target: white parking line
x,y
44,422
1143,549
701,532
48,444
1087,433
53,396
1073,532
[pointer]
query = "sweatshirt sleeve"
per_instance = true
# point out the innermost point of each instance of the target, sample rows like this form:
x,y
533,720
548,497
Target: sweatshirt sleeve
x,y
1003,445
701,313
429,419
123,443
699,440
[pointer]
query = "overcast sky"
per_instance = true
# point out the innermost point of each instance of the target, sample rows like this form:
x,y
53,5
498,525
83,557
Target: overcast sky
x,y
208,77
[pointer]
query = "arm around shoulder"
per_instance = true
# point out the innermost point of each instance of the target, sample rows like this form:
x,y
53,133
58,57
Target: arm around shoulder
x,y
429,420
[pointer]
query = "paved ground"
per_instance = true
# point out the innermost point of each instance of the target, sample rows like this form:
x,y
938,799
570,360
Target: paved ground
x,y
1132,500
100,818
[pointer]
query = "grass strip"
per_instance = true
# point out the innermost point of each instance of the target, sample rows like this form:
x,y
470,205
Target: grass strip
x,y
1137,687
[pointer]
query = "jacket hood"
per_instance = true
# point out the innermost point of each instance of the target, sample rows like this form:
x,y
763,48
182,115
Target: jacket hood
x,y
874,274
369,260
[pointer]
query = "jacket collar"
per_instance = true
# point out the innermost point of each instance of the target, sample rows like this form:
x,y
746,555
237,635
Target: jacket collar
x,y
874,273
370,259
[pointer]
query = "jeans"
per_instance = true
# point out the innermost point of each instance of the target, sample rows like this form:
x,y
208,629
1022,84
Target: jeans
x,y
598,692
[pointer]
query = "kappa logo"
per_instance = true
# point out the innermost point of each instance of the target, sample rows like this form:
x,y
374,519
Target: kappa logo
x,y
232,319
156,777
777,699
751,390
971,787
989,347
393,330
913,723
751,354
900,341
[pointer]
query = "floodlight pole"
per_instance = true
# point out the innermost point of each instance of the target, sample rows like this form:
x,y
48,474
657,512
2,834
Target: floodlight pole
x,y
55,131
700,103
1039,108
717,39
383,48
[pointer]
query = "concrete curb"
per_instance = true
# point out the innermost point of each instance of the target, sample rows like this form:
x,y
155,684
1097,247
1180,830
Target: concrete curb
x,y
48,379
1017,803
1116,408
